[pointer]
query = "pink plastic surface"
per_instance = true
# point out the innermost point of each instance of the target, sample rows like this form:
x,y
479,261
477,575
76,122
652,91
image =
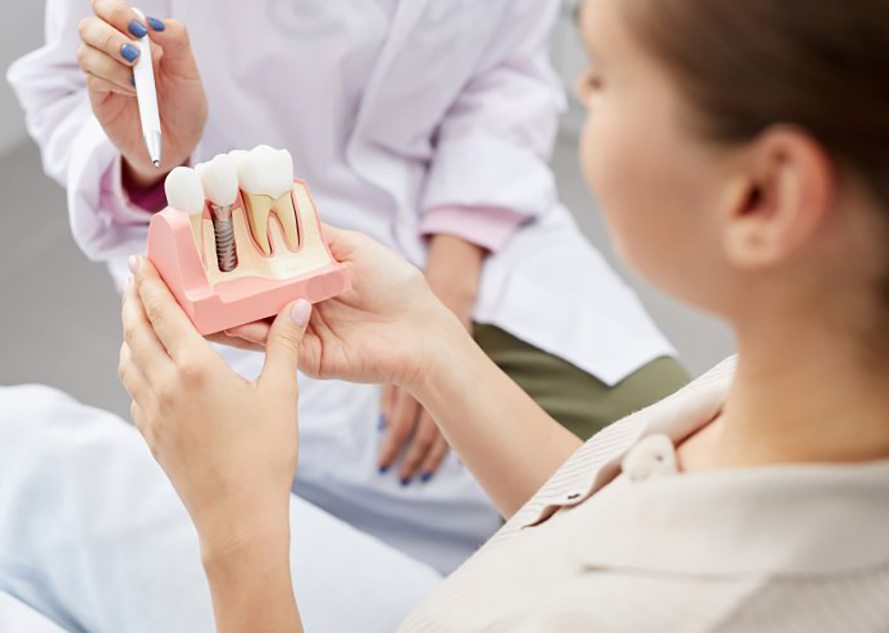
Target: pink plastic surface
x,y
228,304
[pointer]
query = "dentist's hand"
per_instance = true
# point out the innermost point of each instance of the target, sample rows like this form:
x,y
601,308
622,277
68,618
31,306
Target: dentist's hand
x,y
107,55
229,446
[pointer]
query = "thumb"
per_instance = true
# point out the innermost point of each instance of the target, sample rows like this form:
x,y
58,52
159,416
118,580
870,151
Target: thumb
x,y
283,346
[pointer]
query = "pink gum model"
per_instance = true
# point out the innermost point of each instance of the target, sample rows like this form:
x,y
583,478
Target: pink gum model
x,y
174,250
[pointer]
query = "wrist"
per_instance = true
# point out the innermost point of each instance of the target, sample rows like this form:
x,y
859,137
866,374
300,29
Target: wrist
x,y
448,252
453,271
228,528
445,347
251,585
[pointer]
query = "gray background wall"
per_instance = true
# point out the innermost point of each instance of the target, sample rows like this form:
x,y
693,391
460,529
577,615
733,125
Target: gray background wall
x,y
59,313
23,32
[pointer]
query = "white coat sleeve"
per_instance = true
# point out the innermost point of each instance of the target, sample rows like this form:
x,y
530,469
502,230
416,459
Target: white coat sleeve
x,y
494,145
74,148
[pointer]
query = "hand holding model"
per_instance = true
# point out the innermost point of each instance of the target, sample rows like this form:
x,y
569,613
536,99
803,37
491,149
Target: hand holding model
x,y
390,328
107,56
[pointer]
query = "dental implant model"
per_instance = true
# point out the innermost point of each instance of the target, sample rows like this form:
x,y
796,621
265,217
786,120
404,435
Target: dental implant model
x,y
241,239
220,180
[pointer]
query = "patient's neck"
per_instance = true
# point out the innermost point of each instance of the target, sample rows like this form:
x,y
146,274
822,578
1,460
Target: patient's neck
x,y
802,394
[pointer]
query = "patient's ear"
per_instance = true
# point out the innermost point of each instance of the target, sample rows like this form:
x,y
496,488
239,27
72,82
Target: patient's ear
x,y
781,195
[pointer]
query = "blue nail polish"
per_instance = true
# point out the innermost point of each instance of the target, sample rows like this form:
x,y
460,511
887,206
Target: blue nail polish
x,y
382,424
129,52
425,477
384,470
137,29
405,482
155,24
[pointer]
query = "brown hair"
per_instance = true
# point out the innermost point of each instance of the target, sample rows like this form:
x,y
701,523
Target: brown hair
x,y
745,65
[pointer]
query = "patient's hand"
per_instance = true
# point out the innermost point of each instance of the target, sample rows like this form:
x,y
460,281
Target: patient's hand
x,y
229,446
382,331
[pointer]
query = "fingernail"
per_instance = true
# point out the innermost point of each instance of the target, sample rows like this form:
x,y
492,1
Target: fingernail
x,y
133,263
300,312
382,424
129,52
384,470
137,29
425,477
155,24
405,482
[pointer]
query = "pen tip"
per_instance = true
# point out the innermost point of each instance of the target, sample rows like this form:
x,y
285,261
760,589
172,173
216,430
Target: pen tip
x,y
157,163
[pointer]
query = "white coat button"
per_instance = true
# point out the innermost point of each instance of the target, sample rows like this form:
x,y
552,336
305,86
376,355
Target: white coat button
x,y
653,455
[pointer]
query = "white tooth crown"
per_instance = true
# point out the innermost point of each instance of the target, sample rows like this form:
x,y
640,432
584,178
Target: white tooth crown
x,y
266,171
266,180
220,178
239,156
185,191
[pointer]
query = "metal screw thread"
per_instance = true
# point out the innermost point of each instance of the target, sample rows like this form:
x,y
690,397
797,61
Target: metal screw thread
x,y
226,249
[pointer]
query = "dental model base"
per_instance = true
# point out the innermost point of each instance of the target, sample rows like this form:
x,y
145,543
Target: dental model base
x,y
241,239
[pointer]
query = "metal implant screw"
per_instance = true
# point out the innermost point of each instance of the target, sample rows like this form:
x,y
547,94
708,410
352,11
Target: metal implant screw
x,y
224,232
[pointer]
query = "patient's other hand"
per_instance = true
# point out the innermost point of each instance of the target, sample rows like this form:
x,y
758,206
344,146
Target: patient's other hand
x,y
228,445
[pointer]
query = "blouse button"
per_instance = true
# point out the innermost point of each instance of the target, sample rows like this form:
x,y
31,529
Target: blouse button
x,y
653,455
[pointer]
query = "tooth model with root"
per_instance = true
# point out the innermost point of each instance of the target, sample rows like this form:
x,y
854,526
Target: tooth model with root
x,y
220,180
266,180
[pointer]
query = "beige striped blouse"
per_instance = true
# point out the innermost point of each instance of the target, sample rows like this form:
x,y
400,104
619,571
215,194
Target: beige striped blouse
x,y
618,540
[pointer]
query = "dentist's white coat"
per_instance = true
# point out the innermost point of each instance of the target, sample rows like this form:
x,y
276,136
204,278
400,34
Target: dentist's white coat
x,y
390,108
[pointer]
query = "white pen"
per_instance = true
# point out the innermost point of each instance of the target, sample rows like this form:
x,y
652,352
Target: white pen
x,y
146,95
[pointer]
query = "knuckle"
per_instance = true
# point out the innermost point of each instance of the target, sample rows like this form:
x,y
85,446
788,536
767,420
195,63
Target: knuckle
x,y
129,334
400,433
190,370
179,27
154,309
83,28
289,339
422,445
109,41
411,462
167,393
427,433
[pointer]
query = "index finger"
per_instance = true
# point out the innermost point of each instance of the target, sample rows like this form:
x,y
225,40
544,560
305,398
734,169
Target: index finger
x,y
172,327
121,16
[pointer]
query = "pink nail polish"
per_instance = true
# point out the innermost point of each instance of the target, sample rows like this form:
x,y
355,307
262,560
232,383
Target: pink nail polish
x,y
300,312
133,263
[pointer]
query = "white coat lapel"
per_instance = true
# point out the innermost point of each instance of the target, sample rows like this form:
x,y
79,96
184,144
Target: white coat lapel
x,y
406,17
366,160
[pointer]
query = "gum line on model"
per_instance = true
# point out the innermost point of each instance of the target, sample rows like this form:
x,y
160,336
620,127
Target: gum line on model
x,y
241,239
